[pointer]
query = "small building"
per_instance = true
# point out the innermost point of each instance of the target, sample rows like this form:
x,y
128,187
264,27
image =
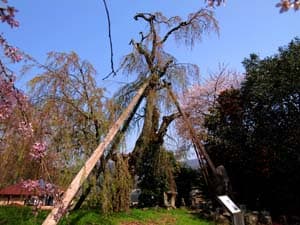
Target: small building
x,y
18,194
14,194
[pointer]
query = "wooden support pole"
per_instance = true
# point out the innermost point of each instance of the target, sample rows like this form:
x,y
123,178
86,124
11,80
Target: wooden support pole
x,y
55,215
196,141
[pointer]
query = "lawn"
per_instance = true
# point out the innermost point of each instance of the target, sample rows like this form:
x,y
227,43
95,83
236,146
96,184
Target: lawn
x,y
17,215
23,216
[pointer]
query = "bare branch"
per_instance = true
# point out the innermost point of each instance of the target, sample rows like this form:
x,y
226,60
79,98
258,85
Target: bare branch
x,y
145,16
113,72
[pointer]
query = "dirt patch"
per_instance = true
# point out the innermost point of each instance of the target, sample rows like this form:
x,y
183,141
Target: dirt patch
x,y
166,220
140,223
131,223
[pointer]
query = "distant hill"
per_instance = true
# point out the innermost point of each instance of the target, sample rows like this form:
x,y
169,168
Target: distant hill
x,y
193,163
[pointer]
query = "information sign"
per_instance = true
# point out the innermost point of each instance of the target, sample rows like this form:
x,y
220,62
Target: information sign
x,y
229,204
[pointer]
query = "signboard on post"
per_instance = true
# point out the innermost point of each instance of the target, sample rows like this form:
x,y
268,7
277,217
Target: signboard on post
x,y
229,204
237,215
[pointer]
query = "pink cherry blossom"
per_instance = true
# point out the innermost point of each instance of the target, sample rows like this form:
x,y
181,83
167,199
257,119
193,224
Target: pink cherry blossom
x,y
212,3
30,185
41,186
7,15
285,5
38,150
6,96
197,101
10,97
11,52
25,129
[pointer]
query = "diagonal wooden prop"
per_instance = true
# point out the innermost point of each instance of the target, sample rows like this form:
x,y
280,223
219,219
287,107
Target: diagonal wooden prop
x,y
200,150
55,215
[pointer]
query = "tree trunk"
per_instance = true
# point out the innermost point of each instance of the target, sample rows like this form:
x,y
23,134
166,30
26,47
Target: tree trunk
x,y
58,211
144,159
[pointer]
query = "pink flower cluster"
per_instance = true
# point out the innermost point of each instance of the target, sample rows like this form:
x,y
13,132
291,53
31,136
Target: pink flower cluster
x,y
38,150
9,95
25,129
50,188
212,3
40,185
7,15
30,185
285,5
6,97
11,52
5,109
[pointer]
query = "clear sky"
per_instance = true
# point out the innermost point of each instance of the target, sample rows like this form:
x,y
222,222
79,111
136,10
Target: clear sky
x,y
80,25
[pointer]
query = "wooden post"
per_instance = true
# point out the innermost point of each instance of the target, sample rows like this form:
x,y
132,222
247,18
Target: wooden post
x,y
194,138
56,213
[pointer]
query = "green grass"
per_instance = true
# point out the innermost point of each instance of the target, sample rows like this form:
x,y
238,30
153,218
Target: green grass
x,y
10,215
13,215
135,217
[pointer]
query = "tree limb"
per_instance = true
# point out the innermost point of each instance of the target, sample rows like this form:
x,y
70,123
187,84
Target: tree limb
x,y
198,14
166,120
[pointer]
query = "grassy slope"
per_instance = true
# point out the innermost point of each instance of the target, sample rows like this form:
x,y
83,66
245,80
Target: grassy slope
x,y
24,216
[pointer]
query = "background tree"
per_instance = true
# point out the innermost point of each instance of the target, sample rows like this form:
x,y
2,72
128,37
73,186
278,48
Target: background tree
x,y
74,111
187,179
257,134
202,96
152,63
22,147
226,137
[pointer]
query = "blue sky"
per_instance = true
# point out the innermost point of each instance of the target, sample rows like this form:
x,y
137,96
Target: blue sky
x,y
81,26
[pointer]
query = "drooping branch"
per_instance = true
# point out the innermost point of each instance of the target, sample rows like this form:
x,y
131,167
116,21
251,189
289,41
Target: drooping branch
x,y
199,22
145,53
165,38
